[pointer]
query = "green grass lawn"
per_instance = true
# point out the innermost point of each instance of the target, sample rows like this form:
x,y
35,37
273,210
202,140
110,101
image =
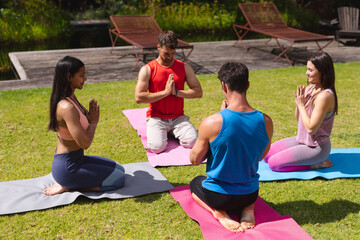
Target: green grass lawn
x,y
326,209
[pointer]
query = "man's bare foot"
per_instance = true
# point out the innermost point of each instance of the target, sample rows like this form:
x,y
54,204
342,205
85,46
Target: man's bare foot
x,y
324,164
247,220
227,222
55,189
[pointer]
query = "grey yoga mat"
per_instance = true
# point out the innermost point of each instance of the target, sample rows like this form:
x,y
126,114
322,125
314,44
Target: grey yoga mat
x,y
26,195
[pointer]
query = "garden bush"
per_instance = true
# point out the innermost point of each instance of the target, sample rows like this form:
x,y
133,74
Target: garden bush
x,y
31,20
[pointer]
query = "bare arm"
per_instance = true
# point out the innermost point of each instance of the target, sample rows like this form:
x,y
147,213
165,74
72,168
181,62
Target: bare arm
x,y
297,113
269,130
141,90
323,102
208,130
195,90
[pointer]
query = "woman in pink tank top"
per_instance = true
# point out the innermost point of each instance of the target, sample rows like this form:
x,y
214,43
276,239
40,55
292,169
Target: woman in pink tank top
x,y
75,127
316,106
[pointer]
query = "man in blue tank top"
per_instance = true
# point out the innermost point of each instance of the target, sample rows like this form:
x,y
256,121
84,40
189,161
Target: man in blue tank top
x,y
233,140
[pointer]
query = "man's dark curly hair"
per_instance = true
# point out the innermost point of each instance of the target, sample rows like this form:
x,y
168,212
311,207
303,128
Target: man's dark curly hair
x,y
168,38
235,75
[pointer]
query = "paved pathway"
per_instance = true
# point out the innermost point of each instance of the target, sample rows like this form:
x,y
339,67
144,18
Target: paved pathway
x,y
36,68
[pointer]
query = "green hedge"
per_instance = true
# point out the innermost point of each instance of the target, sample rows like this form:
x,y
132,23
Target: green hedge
x,y
192,17
31,20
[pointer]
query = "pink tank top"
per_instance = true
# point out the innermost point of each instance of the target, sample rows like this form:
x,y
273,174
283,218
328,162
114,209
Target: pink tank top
x,y
64,133
323,134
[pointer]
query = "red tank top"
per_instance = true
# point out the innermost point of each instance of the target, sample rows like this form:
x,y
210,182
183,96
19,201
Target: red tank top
x,y
170,106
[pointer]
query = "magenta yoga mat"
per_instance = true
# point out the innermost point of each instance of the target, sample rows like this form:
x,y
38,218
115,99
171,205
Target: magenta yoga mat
x,y
270,224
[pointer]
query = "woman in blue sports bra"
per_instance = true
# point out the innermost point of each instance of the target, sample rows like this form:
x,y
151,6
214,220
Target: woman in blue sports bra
x,y
75,127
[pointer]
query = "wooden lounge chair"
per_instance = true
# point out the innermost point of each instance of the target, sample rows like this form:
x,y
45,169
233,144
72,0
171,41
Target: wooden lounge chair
x,y
142,32
265,18
349,24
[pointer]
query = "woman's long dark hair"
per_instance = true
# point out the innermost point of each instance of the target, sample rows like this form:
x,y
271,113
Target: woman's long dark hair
x,y
65,68
324,64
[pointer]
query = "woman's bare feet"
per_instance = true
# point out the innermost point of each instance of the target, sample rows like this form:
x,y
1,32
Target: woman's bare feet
x,y
247,220
227,222
55,189
324,164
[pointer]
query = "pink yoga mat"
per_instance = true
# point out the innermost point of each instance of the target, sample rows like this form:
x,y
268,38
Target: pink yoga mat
x,y
270,224
174,155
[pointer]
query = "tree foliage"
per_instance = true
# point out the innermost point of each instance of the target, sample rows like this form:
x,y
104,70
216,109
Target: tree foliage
x,y
31,20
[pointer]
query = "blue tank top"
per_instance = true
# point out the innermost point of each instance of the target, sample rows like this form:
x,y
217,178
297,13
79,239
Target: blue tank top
x,y
235,153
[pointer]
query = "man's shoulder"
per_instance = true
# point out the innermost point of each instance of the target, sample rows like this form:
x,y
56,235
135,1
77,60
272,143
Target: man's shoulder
x,y
213,119
211,126
267,119
145,72
178,61
268,124
152,63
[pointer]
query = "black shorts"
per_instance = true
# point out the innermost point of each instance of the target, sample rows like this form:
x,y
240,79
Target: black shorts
x,y
221,201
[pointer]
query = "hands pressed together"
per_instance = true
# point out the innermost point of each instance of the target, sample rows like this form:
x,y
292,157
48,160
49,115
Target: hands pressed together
x,y
224,105
170,86
300,98
300,95
93,114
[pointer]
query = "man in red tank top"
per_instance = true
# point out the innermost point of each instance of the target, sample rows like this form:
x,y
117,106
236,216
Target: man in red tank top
x,y
161,84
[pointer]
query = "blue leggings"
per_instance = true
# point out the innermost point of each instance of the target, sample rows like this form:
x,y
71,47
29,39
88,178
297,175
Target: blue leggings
x,y
76,171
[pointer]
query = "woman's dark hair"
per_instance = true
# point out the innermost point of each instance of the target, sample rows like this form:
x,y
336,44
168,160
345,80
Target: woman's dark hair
x,y
324,64
65,68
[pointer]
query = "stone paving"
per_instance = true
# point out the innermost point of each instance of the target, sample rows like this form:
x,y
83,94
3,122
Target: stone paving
x,y
36,68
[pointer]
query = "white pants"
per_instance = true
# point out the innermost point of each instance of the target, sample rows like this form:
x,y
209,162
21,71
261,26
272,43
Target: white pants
x,y
157,130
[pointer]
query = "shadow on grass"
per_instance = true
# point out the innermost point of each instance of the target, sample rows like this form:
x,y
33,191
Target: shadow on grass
x,y
148,198
310,212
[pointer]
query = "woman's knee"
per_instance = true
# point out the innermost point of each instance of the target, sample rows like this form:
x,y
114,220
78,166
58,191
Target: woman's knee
x,y
120,167
274,163
115,180
120,182
274,167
